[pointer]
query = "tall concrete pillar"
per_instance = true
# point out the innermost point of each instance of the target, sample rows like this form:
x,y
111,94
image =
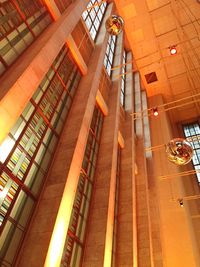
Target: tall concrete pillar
x,y
48,231
126,251
99,237
143,220
154,226
100,211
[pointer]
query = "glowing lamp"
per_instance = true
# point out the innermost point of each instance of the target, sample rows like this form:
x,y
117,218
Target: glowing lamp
x,y
179,151
173,50
114,25
155,112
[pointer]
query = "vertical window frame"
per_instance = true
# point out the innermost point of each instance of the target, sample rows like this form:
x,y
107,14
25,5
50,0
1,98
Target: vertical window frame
x,y
192,130
50,134
123,80
91,15
110,53
19,31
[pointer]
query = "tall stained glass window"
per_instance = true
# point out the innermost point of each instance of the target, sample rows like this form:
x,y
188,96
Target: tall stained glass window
x,y
26,153
73,250
93,16
192,133
21,21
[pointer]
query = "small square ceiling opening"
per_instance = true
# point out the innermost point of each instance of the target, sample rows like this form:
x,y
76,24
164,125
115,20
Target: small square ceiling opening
x,y
151,77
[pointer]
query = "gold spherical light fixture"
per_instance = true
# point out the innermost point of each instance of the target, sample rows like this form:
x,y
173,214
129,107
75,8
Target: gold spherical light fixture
x,y
179,151
114,24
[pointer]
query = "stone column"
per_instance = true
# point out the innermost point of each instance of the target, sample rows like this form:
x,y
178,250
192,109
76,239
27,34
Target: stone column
x,y
126,250
53,9
155,241
48,231
143,222
99,239
105,184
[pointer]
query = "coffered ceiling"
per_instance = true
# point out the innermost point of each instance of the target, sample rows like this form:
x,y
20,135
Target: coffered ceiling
x,y
152,26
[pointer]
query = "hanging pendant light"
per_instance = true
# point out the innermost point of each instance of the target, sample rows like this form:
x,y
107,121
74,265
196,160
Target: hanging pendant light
x,y
155,112
179,151
114,25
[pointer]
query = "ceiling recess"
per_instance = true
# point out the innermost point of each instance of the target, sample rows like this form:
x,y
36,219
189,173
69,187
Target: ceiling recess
x,y
151,77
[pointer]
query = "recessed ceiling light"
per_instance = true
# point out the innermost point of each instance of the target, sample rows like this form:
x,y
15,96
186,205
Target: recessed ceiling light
x,y
173,50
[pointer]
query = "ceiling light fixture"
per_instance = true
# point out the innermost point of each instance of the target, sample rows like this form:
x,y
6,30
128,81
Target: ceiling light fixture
x,y
179,151
114,25
173,50
155,112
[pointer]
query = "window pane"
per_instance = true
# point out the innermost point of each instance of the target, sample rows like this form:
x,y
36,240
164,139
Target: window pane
x,y
192,133
108,60
28,149
77,228
123,81
93,16
17,32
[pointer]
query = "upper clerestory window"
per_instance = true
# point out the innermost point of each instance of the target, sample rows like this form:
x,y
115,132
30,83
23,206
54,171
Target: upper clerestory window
x,y
93,16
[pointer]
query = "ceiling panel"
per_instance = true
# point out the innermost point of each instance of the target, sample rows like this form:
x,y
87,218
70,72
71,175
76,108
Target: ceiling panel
x,y
155,4
163,20
152,26
180,85
174,65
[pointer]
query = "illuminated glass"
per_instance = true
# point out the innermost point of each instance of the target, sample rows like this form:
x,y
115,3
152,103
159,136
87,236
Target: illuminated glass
x,y
29,149
21,21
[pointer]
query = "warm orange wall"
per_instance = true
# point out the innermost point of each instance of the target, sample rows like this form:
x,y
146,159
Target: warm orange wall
x,y
178,246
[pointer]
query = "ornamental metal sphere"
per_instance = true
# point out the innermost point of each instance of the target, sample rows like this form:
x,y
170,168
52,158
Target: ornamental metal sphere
x,y
114,25
179,151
